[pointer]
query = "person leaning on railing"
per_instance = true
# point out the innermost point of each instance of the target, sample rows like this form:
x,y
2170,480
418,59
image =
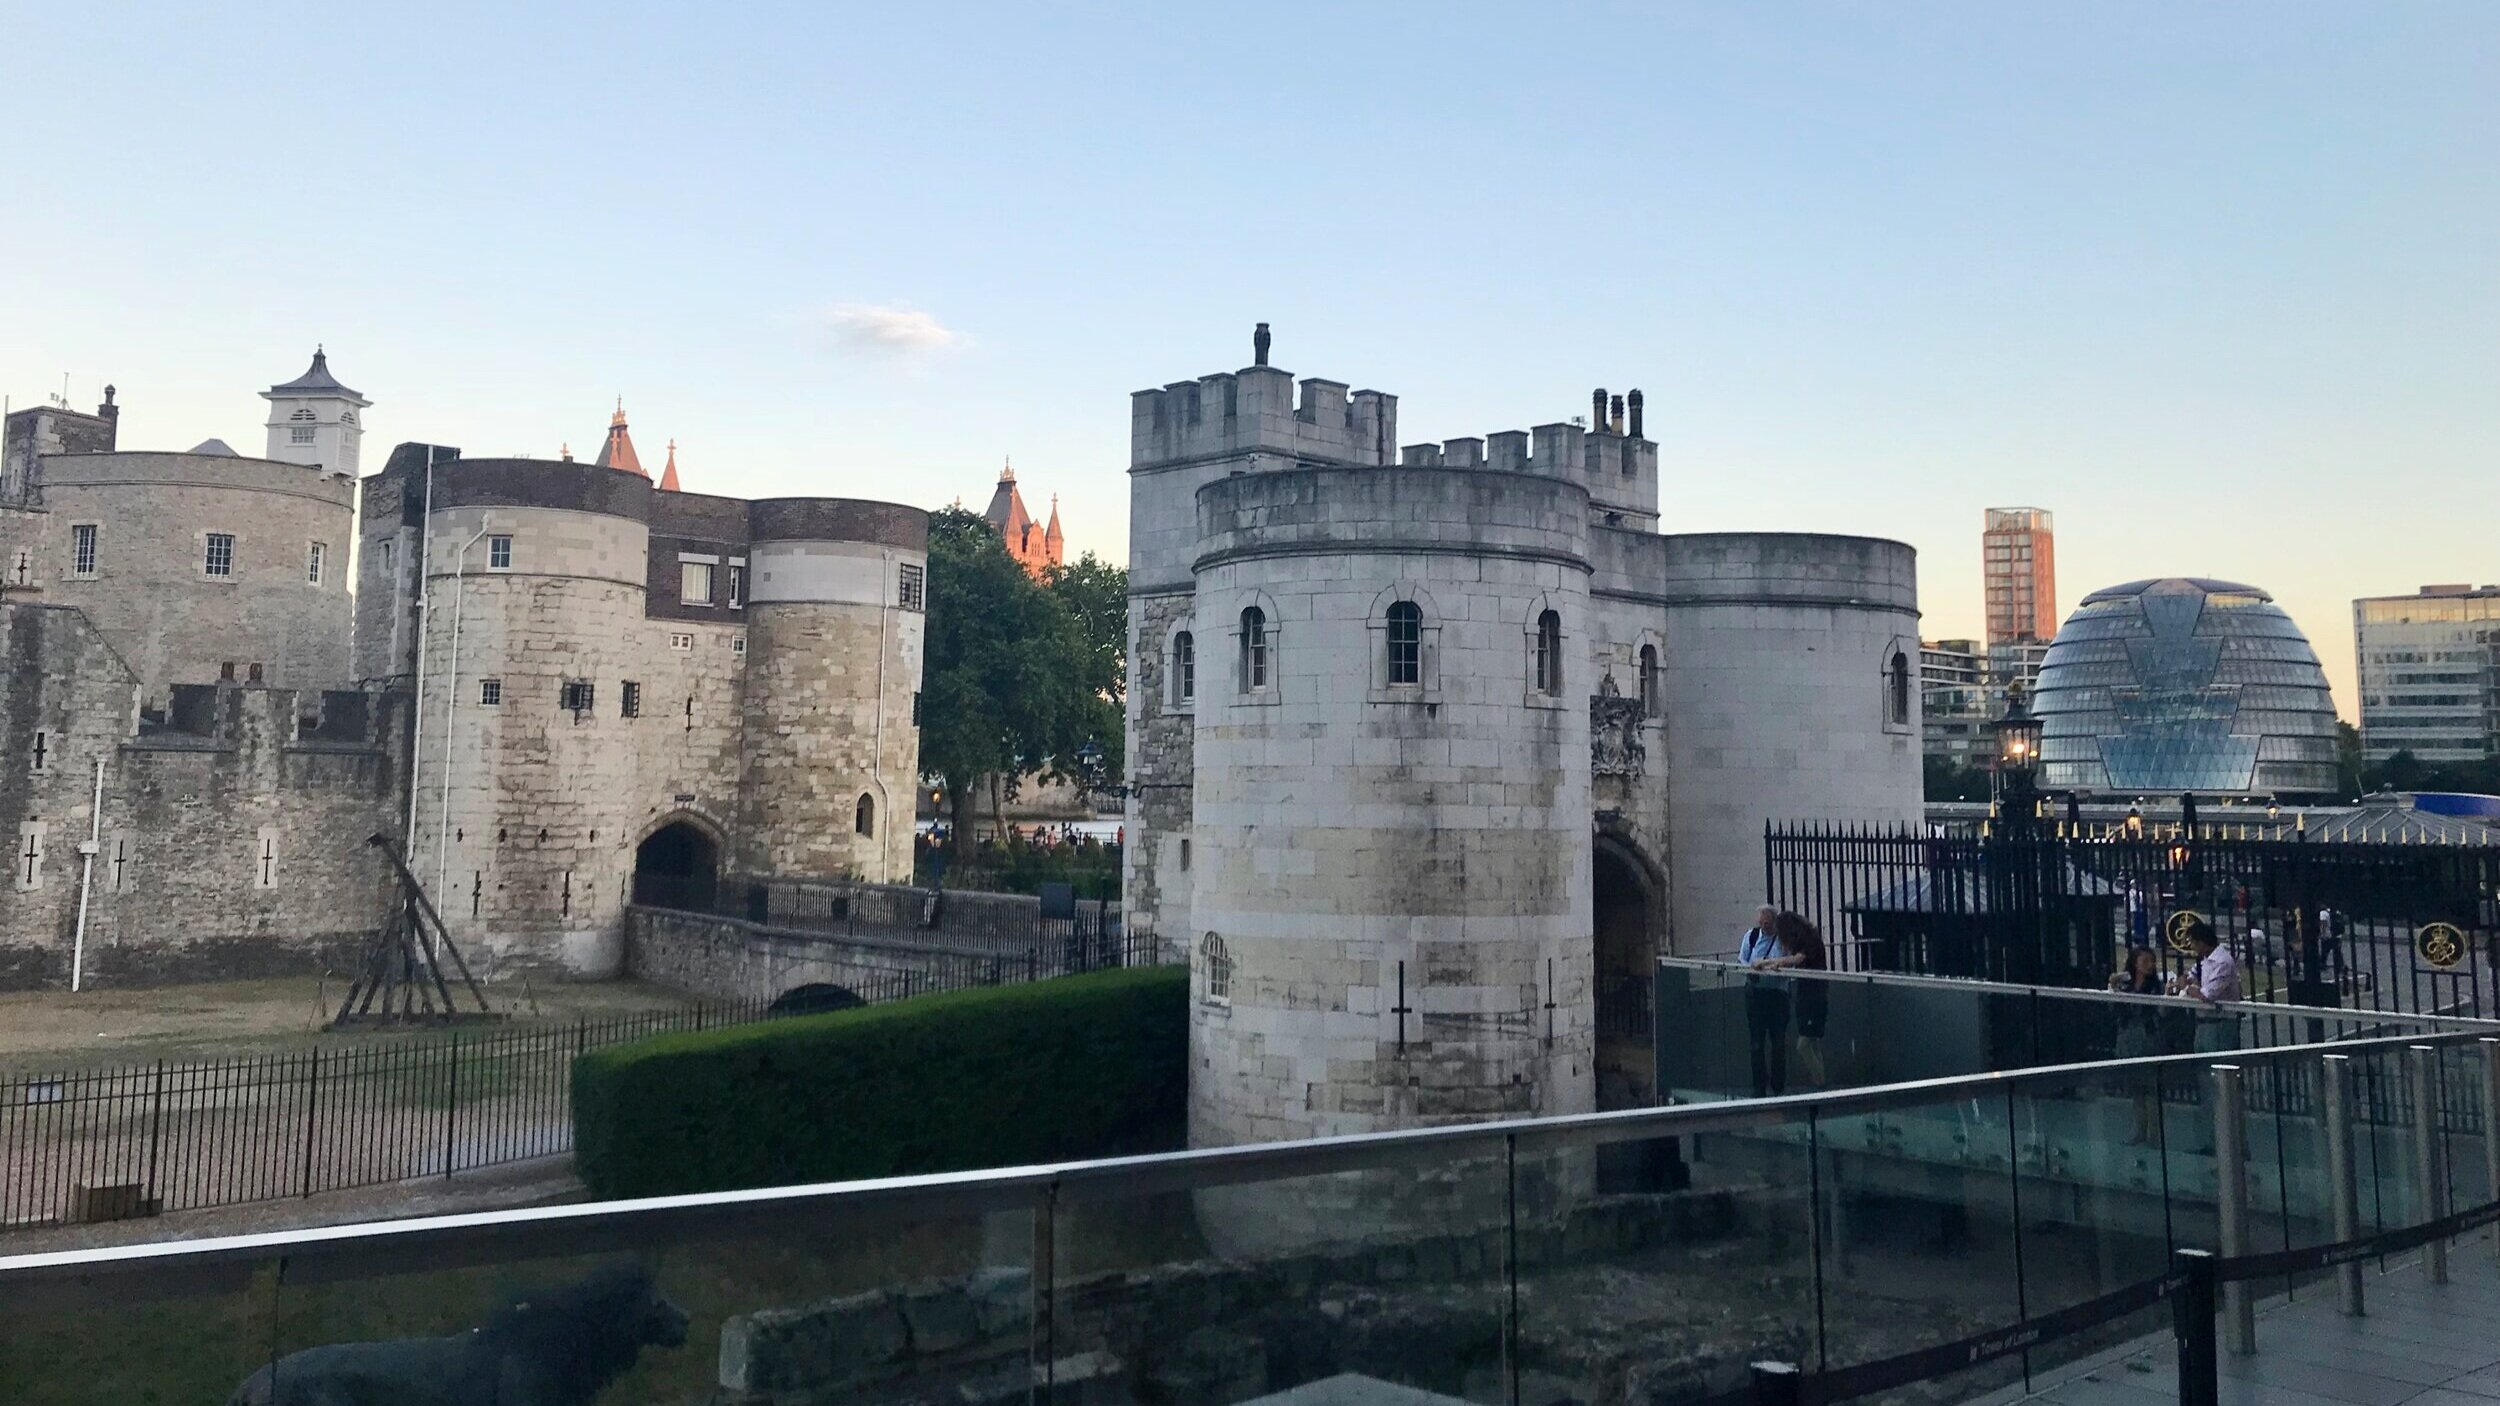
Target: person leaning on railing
x,y
1766,1004
1801,944
2139,1029
2215,980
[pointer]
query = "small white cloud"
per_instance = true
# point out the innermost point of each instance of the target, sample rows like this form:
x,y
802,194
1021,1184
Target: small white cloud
x,y
891,330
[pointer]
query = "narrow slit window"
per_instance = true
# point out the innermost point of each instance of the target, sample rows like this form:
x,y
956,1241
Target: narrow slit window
x,y
1254,650
1218,964
1406,643
1184,666
1549,680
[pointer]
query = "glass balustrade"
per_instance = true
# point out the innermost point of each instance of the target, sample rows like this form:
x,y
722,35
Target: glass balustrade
x,y
1934,1238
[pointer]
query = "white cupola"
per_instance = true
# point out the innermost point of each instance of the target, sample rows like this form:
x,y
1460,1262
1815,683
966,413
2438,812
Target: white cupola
x,y
313,420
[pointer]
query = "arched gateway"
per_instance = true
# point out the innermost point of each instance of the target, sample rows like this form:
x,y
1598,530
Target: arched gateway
x,y
677,866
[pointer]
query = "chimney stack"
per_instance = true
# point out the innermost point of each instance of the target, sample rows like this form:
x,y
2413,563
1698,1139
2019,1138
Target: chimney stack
x,y
1597,411
1634,400
1615,421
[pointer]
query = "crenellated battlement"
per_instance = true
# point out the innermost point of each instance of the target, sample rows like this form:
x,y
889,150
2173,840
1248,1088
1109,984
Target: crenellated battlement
x,y
1256,411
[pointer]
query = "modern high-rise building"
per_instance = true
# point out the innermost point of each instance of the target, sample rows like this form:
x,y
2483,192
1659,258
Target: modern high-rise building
x,y
2018,547
1956,703
2430,673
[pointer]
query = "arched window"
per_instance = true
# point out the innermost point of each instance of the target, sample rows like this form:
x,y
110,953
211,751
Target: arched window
x,y
1184,667
1549,668
1219,970
1897,690
304,414
1406,643
864,816
1254,659
1649,681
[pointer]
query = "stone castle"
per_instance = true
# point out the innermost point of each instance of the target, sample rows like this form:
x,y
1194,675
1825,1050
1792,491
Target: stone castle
x,y
554,682
1433,748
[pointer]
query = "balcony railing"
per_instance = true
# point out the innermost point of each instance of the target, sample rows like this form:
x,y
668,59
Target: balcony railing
x,y
1923,1240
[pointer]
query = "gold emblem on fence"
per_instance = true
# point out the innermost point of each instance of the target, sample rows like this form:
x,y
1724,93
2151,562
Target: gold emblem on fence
x,y
2441,945
2176,927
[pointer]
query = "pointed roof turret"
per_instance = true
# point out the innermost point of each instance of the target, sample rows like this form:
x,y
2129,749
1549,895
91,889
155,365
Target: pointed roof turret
x,y
1005,514
618,452
668,475
316,381
1052,535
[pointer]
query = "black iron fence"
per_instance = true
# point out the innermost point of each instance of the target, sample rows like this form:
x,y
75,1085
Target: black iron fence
x,y
2407,928
367,1109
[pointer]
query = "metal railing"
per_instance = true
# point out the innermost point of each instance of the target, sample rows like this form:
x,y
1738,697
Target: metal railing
x,y
2313,923
365,1109
1946,1236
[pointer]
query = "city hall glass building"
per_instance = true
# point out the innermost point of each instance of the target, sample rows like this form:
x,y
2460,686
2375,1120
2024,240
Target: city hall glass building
x,y
2182,685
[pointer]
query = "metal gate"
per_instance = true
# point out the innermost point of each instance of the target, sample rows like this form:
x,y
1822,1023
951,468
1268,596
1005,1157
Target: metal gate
x,y
2393,927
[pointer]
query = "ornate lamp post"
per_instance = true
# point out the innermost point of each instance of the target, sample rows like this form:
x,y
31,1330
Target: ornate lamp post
x,y
2018,764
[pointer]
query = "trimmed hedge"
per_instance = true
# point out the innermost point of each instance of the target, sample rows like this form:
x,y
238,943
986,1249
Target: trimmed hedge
x,y
1050,1071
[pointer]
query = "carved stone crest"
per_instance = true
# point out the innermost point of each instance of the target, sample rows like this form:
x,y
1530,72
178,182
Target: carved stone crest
x,y
1614,732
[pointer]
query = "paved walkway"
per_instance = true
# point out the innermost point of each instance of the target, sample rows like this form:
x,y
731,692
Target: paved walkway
x,y
2419,1344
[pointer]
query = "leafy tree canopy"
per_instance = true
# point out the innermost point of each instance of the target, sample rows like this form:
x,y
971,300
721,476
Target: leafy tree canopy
x,y
1015,676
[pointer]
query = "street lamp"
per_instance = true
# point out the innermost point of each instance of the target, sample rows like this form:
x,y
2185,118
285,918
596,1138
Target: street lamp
x,y
2018,761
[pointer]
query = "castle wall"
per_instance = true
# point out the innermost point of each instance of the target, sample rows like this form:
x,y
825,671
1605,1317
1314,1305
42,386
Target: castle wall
x,y
231,841
1776,650
27,553
1181,438
833,686
150,593
1345,824
544,804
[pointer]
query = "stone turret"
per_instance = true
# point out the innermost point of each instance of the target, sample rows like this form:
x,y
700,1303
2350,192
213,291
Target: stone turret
x,y
315,420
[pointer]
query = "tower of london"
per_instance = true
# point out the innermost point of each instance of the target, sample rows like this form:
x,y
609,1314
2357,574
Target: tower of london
x,y
553,682
1435,747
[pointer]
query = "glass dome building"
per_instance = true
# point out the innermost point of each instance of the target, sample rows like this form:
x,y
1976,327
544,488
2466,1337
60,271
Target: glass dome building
x,y
2176,685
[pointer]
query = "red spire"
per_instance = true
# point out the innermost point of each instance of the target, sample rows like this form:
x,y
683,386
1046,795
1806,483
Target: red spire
x,y
668,475
618,452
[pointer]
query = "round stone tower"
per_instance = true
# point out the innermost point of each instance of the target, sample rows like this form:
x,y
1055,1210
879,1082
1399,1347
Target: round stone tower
x,y
1791,694
526,770
1390,890
834,633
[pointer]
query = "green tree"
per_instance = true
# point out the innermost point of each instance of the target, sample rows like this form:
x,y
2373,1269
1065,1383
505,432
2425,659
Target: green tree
x,y
1009,684
1096,594
1949,781
2348,768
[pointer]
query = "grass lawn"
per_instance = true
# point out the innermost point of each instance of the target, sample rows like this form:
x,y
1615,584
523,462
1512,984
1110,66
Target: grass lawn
x,y
44,1031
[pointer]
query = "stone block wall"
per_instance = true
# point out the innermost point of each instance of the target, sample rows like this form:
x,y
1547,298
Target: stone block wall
x,y
529,816
1775,692
1346,825
267,621
727,959
232,847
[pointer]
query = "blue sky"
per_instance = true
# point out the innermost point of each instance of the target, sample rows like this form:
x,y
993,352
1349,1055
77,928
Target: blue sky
x,y
2219,284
